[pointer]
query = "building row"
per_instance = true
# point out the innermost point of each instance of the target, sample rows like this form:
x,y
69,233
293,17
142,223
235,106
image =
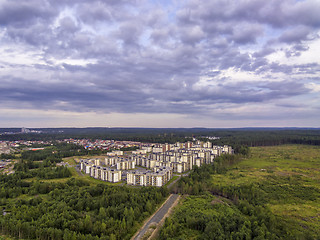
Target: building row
x,y
158,177
99,172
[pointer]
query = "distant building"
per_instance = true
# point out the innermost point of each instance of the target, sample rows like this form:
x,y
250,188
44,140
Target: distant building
x,y
115,153
25,130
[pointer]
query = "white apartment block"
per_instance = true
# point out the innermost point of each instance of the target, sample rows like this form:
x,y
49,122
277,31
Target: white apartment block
x,y
120,163
140,151
147,149
115,153
157,149
158,177
99,172
126,164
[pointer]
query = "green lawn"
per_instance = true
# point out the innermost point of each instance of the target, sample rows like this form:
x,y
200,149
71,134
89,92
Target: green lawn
x,y
89,179
70,160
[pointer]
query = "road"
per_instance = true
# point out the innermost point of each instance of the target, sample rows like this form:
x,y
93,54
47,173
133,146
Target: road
x,y
158,216
183,175
171,184
78,170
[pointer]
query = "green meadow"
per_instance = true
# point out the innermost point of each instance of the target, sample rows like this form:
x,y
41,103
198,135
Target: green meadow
x,y
275,189
290,177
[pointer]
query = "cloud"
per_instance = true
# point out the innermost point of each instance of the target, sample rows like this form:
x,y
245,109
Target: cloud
x,y
295,35
191,58
24,13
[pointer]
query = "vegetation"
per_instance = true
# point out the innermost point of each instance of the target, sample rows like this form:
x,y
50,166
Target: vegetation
x,y
7,156
42,201
129,148
73,210
232,137
273,194
259,193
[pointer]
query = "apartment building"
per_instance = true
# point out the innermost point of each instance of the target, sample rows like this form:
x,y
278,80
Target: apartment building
x,y
158,177
115,153
99,172
125,164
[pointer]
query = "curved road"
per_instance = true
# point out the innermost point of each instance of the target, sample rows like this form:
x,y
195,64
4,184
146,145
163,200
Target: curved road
x,y
158,216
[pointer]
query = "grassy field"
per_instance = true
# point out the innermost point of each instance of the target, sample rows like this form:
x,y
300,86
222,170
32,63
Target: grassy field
x,y
87,178
289,175
282,161
272,194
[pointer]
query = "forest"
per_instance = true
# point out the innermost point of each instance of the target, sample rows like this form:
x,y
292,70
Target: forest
x,y
44,201
74,210
233,137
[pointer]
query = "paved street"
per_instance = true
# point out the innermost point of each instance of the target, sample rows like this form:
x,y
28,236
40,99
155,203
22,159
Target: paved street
x,y
171,184
156,218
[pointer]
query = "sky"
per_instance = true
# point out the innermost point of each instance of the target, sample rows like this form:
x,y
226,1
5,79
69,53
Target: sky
x,y
160,63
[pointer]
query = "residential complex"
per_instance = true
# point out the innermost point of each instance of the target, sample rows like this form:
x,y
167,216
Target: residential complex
x,y
152,165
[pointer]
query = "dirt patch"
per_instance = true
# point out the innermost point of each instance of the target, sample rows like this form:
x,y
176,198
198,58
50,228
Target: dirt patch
x,y
284,174
217,201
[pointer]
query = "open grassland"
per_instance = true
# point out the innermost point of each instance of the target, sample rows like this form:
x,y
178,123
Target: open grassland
x,y
300,161
272,194
289,178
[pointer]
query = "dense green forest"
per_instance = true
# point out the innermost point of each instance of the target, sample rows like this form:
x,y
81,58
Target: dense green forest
x,y
73,210
232,137
36,205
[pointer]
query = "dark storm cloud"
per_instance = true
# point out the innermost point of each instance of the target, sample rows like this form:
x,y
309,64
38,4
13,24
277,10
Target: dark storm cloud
x,y
133,56
295,35
25,12
273,12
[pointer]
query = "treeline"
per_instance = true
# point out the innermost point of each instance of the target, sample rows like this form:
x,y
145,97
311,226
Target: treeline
x,y
129,148
7,156
73,210
232,137
268,137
